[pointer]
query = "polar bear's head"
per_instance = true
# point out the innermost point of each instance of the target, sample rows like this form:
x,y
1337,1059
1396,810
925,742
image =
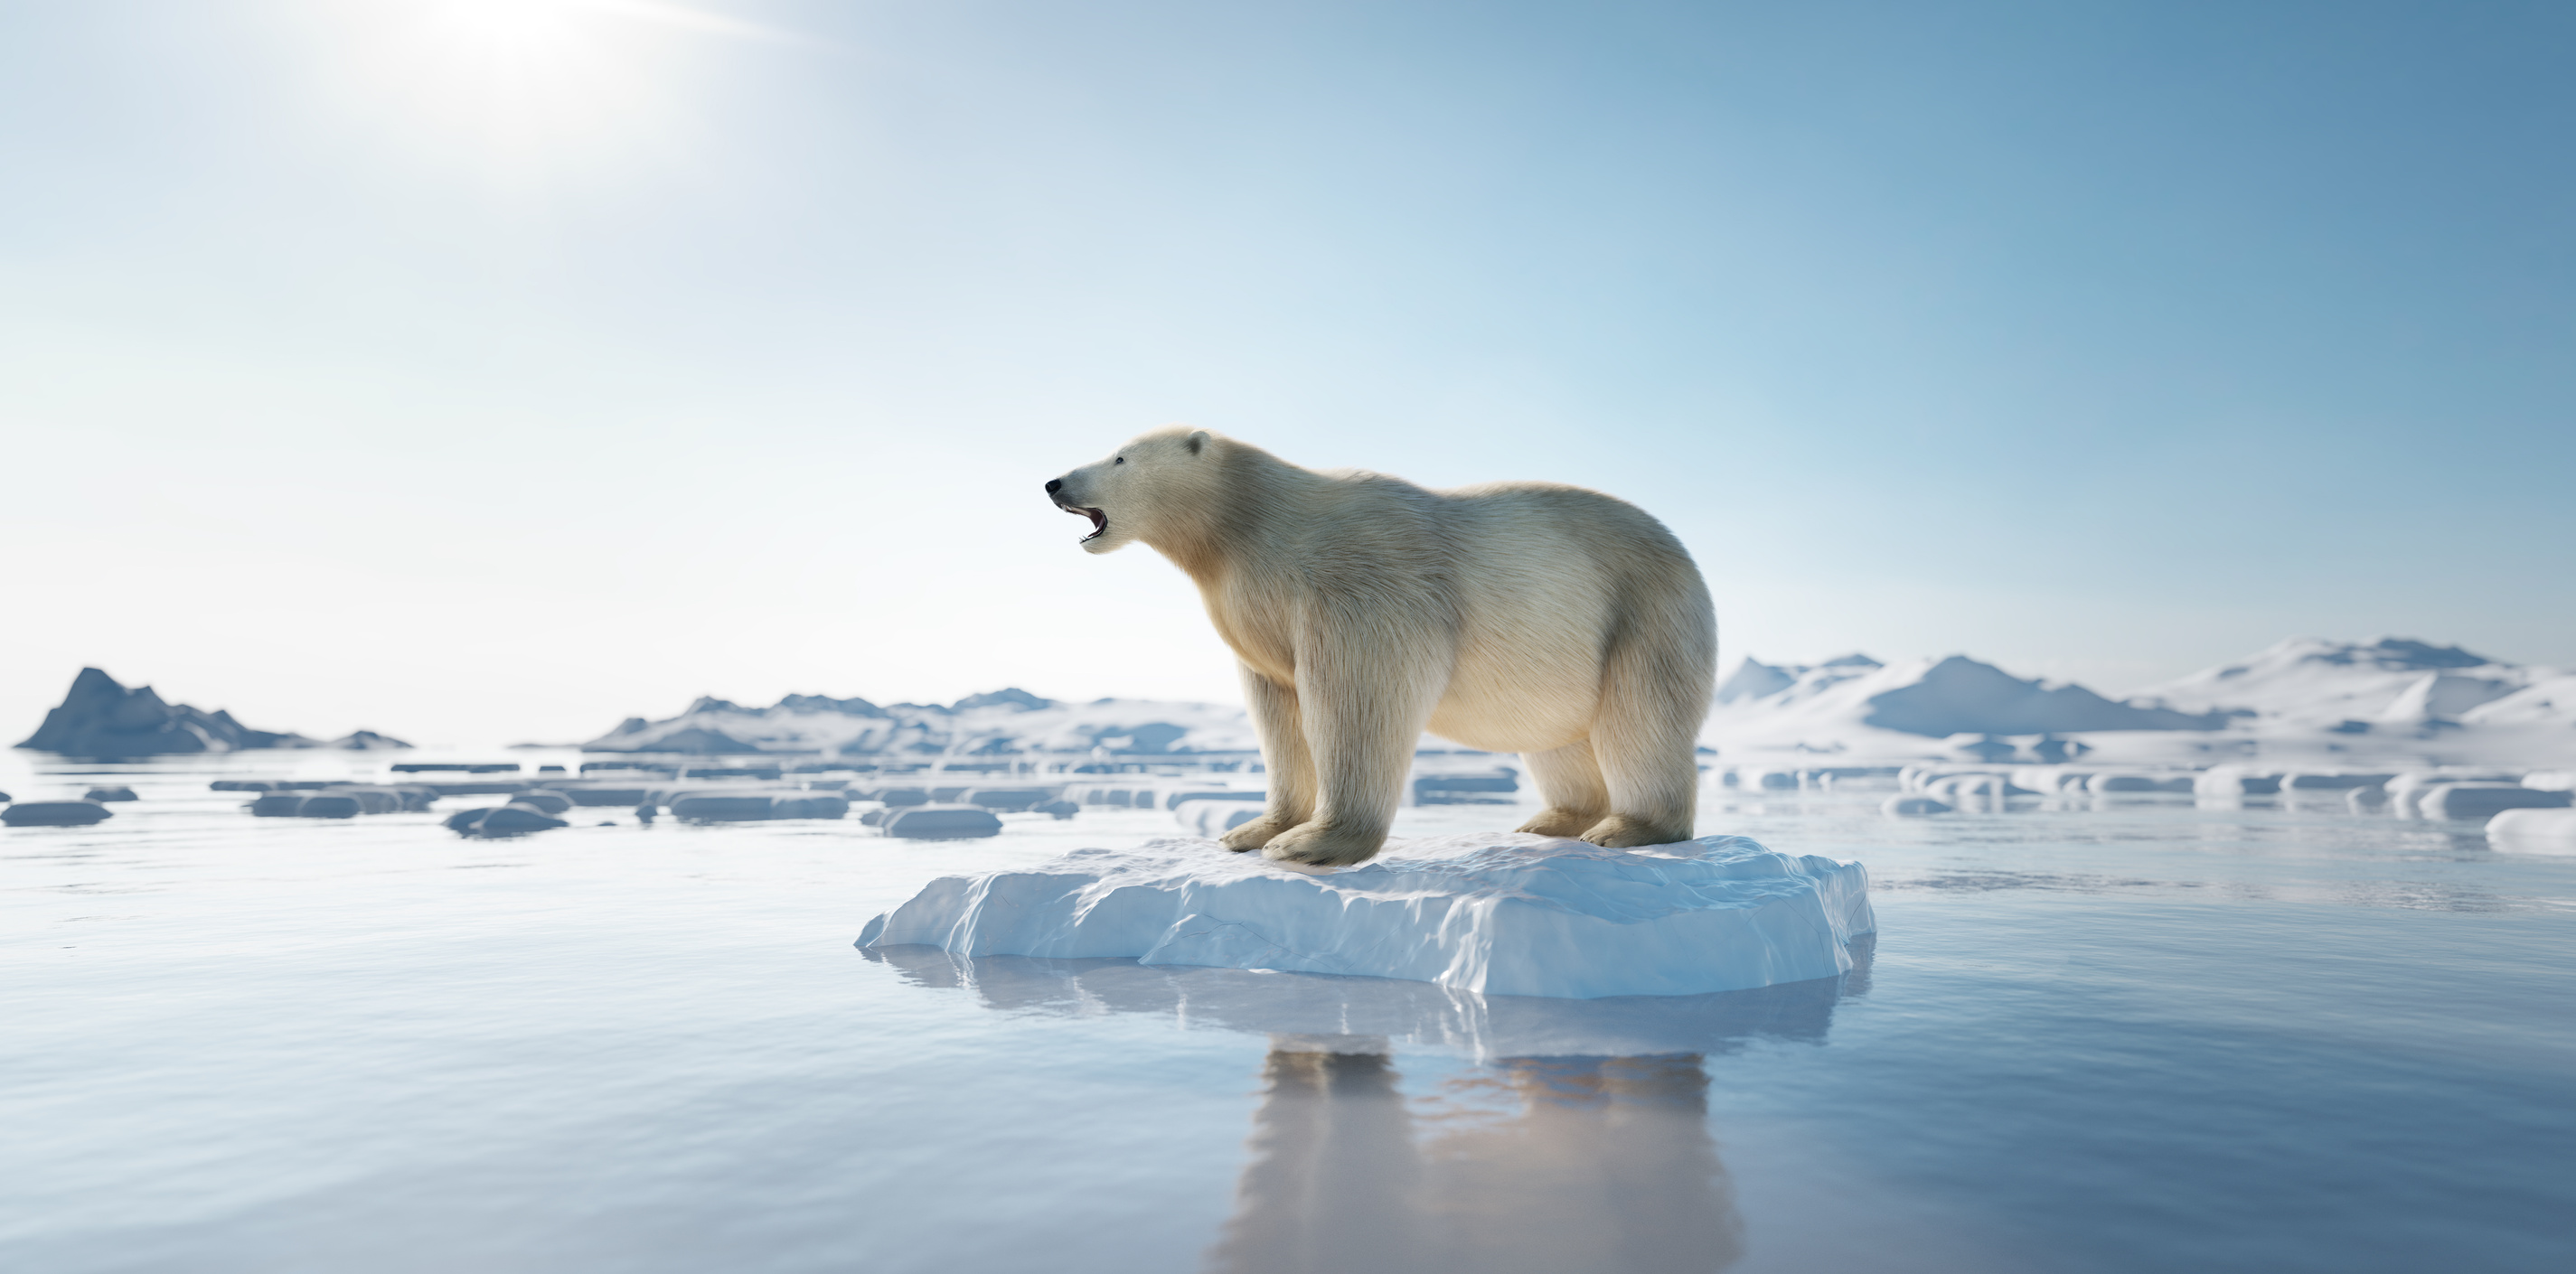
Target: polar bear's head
x,y
1158,488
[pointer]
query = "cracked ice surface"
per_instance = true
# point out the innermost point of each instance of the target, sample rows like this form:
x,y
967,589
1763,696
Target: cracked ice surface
x,y
1498,914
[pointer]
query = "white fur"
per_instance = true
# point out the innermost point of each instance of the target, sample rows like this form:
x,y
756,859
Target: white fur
x,y
1525,617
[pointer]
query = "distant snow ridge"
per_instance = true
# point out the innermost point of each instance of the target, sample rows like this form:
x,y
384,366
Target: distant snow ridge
x,y
1498,914
2393,681
1002,723
2306,699
1754,679
1855,700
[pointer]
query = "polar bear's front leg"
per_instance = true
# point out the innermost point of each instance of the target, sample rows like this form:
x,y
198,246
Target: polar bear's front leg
x,y
1291,767
1365,694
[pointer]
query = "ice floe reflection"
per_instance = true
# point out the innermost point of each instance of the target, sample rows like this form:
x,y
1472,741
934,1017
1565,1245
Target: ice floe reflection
x,y
1580,1140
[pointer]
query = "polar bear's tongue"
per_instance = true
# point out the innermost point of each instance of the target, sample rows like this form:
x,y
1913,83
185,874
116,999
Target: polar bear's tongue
x,y
1099,522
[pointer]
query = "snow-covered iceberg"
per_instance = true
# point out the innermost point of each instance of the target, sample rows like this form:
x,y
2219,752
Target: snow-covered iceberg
x,y
1496,914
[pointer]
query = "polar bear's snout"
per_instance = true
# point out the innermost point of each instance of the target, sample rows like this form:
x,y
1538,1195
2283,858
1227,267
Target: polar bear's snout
x,y
1099,520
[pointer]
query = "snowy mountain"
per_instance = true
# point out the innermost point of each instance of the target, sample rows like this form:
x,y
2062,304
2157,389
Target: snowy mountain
x,y
2550,700
1753,679
2393,681
2305,698
1856,704
1001,723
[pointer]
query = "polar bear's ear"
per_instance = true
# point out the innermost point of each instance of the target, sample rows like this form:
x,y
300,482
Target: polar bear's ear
x,y
1198,441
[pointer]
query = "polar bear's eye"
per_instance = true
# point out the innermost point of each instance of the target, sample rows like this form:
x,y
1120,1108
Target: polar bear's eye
x,y
1119,460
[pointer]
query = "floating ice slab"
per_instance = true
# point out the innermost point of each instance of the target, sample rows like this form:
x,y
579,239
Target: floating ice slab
x,y
1367,1014
1497,914
2534,831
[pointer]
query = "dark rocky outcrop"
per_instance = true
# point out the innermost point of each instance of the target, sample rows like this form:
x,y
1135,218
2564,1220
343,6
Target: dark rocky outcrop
x,y
766,773
1011,696
703,741
826,703
1153,736
342,800
942,822
367,741
747,807
110,794
101,718
544,800
1006,800
55,814
604,794
506,820
810,805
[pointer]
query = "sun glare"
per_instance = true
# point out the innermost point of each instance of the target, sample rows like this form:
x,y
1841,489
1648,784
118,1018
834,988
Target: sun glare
x,y
515,85
505,31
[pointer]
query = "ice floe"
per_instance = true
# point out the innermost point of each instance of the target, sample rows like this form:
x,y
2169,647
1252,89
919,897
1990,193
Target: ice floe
x,y
1324,1012
2534,831
1497,914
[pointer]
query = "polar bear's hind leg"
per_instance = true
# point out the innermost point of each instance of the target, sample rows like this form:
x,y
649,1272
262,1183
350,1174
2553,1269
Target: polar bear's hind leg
x,y
1570,781
1659,675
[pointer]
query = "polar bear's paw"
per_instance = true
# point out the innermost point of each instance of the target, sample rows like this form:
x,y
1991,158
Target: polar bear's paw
x,y
1558,821
1622,832
1320,845
1257,833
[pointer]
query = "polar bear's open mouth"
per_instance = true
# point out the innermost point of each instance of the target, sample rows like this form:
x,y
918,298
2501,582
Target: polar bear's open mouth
x,y
1099,522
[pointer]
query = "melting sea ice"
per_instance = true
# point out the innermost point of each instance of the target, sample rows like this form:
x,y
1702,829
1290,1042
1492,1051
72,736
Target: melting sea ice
x,y
2140,1035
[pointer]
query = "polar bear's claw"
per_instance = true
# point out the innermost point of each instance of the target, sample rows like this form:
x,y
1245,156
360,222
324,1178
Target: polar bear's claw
x,y
1554,821
1255,834
1622,832
1315,845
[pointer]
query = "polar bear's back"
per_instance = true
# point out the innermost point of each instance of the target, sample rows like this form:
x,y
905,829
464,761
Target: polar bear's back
x,y
1549,578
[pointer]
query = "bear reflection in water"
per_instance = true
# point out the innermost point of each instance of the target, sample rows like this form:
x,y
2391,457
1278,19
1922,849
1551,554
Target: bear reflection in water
x,y
1580,1143
1537,1164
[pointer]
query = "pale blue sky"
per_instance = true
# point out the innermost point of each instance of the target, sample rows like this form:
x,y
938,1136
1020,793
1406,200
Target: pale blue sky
x,y
477,371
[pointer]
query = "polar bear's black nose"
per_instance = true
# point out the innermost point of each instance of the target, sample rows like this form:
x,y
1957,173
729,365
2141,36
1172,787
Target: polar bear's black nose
x,y
1054,485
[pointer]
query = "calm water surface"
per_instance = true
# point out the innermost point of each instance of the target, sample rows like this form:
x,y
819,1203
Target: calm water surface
x,y
2136,1036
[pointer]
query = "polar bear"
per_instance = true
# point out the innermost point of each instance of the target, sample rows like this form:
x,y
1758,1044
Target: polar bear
x,y
1525,617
